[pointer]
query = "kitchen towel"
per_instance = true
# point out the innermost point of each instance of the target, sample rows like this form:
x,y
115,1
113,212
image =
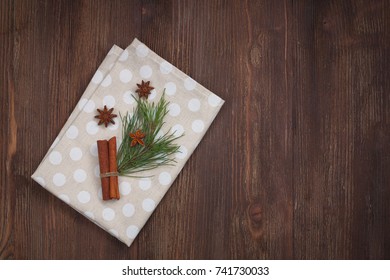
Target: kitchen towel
x,y
70,169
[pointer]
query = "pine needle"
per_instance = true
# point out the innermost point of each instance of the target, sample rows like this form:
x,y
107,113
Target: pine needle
x,y
157,151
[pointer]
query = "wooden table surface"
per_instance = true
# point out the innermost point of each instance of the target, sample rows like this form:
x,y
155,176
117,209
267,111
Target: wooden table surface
x,y
295,166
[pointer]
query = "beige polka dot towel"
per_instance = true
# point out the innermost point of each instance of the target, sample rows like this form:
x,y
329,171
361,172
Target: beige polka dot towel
x,y
70,169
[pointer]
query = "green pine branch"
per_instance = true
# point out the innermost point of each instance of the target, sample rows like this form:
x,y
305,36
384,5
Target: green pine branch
x,y
157,151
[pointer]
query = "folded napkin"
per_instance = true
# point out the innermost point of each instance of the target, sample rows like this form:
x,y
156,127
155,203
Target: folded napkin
x,y
70,169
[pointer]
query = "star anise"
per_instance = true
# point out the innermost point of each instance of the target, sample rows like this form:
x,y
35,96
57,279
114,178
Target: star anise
x,y
137,138
105,116
144,89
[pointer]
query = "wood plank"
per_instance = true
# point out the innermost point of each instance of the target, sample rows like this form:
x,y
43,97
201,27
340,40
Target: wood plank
x,y
268,176
340,107
8,132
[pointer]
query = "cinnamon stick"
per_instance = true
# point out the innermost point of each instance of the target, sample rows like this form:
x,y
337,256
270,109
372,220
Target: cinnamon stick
x,y
114,189
104,164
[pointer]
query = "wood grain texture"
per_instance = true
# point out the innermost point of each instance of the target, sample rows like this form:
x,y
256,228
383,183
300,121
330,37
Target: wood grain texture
x,y
340,125
295,166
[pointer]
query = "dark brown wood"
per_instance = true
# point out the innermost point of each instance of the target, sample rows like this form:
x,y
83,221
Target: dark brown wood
x,y
341,132
295,166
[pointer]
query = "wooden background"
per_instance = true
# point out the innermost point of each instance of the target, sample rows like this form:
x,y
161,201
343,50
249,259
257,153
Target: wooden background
x,y
295,166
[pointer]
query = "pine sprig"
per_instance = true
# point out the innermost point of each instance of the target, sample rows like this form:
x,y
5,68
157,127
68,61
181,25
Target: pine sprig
x,y
157,151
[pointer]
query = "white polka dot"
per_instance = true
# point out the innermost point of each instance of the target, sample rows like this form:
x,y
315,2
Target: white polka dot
x,y
145,71
128,210
84,197
64,198
182,152
132,231
174,109
165,67
55,143
40,181
125,76
93,149
96,171
152,95
145,184
75,153
109,101
214,100
98,77
124,188
89,106
82,103
55,158
177,130
72,132
142,50
128,97
189,84
197,126
114,127
113,232
170,88
92,127
59,179
124,55
89,215
164,178
107,81
79,175
194,104
160,134
148,205
108,214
